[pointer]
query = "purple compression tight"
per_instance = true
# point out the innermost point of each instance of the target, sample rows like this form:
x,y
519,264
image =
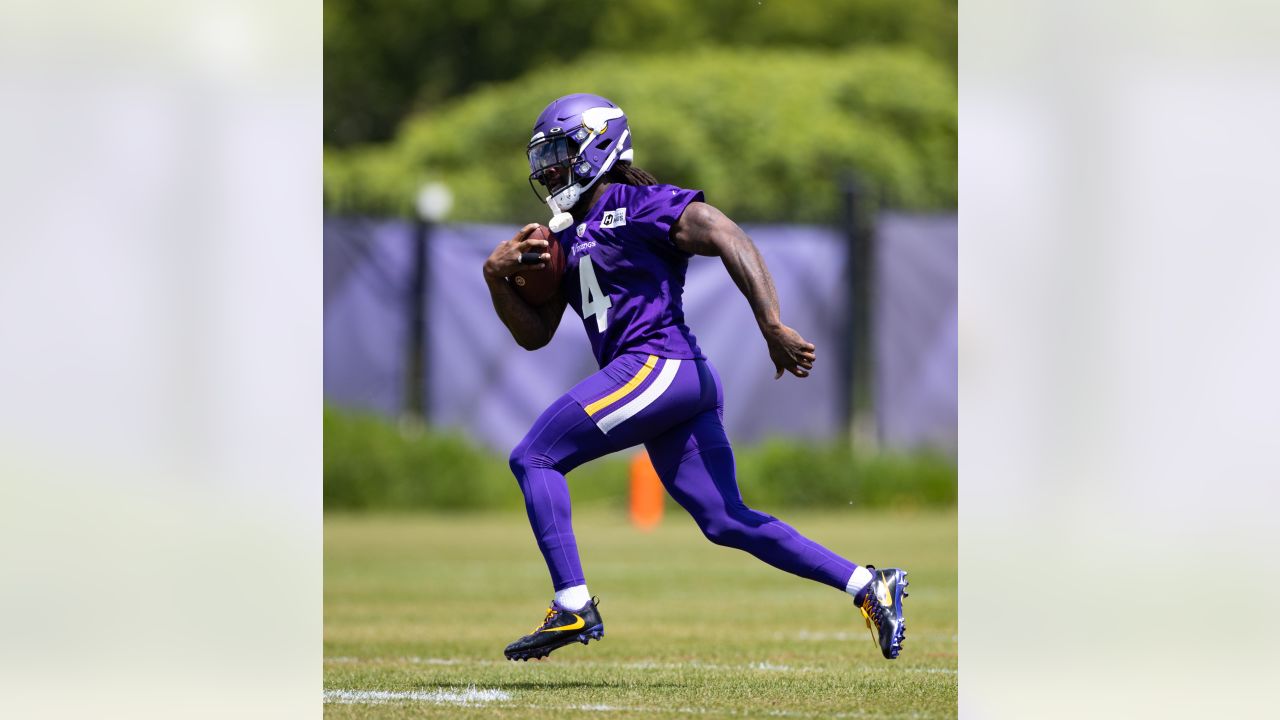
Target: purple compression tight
x,y
674,407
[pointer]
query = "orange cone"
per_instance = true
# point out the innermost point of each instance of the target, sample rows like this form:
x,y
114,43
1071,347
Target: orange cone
x,y
646,493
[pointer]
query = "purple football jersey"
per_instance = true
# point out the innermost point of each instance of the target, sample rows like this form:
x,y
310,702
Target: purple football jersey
x,y
625,277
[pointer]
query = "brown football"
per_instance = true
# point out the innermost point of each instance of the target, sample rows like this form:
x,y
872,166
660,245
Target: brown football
x,y
539,286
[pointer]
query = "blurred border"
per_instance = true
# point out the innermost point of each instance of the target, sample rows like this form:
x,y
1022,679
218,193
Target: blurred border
x,y
160,276
1118,350
160,271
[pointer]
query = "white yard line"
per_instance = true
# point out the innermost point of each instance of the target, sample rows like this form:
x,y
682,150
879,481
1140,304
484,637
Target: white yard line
x,y
473,696
412,660
469,696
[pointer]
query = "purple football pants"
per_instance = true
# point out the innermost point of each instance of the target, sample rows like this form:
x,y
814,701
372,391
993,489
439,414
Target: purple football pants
x,y
674,407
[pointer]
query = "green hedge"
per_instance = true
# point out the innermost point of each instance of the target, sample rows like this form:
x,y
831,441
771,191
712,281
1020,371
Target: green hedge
x,y
767,135
371,463
385,59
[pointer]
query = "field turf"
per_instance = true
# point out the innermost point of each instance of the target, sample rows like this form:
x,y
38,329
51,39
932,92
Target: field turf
x,y
419,606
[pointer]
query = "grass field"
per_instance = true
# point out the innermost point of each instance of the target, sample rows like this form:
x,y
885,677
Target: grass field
x,y
419,607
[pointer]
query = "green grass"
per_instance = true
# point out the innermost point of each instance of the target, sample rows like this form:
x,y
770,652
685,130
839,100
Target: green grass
x,y
426,602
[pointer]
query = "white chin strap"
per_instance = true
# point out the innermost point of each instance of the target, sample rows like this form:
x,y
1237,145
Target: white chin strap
x,y
566,198
560,222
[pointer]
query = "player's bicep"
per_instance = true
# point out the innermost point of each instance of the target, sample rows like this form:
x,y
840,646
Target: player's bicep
x,y
702,229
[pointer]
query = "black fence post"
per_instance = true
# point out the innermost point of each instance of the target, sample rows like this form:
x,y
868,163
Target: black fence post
x,y
858,220
848,213
415,382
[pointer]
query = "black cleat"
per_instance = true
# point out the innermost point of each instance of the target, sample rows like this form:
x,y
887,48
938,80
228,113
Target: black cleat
x,y
881,605
559,628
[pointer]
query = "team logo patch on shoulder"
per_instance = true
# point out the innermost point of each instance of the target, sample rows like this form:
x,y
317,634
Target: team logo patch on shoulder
x,y
614,218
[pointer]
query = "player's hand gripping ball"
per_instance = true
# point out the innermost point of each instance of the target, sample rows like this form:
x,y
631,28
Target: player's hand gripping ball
x,y
538,285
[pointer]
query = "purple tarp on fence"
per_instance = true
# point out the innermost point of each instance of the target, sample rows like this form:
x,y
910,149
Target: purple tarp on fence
x,y
367,278
916,342
480,381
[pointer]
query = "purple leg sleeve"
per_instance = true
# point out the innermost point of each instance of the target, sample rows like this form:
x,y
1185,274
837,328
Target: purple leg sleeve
x,y
695,463
673,407
561,439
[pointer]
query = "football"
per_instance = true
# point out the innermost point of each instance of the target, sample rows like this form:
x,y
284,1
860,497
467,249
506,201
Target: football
x,y
538,286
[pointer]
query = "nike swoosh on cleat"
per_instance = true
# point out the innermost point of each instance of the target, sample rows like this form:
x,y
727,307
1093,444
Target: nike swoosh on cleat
x,y
574,626
887,600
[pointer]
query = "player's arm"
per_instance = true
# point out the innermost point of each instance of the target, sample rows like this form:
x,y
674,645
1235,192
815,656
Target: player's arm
x,y
704,230
531,326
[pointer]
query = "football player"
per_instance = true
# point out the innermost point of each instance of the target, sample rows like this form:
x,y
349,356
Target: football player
x,y
627,241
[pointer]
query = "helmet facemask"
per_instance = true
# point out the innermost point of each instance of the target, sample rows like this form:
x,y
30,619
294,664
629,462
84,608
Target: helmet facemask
x,y
559,167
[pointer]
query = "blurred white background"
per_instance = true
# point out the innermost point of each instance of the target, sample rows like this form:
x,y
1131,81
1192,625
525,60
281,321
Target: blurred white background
x,y
1119,413
160,448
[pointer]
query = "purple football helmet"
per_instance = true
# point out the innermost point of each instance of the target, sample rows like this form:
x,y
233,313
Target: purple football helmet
x,y
576,140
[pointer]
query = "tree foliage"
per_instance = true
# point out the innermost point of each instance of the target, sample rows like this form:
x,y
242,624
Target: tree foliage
x,y
387,59
767,135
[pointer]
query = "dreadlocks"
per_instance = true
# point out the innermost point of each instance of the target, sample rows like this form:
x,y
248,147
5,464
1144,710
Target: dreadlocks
x,y
627,174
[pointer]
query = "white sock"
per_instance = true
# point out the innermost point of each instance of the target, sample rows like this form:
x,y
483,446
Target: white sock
x,y
857,581
577,597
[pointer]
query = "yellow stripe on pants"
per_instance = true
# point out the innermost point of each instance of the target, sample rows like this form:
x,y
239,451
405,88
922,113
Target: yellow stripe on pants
x,y
621,392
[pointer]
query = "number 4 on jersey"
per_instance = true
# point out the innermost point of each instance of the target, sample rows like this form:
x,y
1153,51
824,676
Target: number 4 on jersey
x,y
594,302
